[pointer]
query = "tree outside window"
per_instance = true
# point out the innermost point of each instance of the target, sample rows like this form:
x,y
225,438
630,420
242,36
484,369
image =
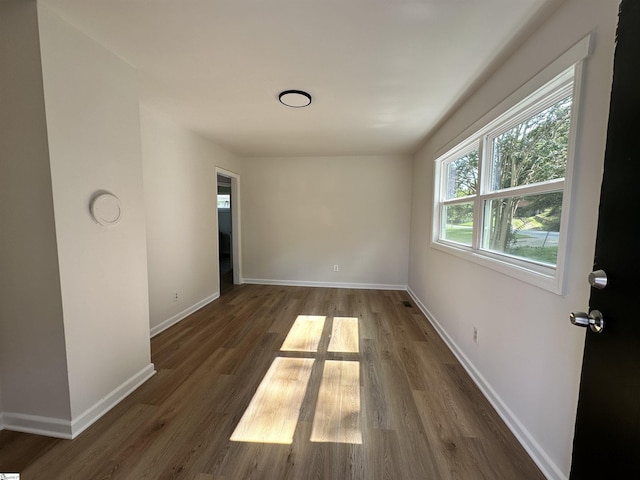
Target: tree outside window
x,y
532,152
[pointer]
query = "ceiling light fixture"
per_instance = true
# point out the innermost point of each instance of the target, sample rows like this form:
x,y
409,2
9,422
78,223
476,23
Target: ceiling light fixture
x,y
295,98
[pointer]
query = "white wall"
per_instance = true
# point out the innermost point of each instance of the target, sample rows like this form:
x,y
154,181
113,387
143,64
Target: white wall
x,y
180,188
33,368
529,356
92,115
301,216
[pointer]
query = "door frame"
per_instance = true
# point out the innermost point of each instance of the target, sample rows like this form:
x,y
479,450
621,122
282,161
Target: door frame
x,y
236,243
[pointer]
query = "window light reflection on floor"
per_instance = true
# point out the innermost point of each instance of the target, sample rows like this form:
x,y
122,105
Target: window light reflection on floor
x,y
273,412
337,415
344,335
272,415
305,334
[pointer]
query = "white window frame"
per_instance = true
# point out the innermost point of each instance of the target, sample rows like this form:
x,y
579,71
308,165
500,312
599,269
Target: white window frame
x,y
559,80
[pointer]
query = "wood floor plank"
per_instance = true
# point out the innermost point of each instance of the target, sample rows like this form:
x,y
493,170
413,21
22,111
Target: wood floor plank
x,y
17,450
384,401
407,425
375,402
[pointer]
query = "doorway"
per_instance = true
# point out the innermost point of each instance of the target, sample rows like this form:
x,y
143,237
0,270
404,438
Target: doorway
x,y
228,229
225,233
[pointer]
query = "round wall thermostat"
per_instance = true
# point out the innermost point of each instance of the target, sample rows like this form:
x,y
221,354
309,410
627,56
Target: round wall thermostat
x,y
105,209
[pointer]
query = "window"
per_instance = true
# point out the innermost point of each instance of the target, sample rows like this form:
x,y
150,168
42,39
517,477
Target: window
x,y
501,194
224,200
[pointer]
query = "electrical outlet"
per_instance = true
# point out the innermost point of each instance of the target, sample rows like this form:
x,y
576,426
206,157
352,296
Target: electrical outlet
x,y
475,335
175,297
336,268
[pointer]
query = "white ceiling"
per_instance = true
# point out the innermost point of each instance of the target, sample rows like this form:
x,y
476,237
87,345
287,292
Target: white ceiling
x,y
381,73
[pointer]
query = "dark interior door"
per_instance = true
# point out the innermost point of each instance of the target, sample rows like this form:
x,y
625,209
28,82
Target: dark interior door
x,y
607,435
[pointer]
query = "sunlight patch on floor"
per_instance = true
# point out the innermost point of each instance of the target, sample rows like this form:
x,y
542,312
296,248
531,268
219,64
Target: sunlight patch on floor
x,y
305,334
337,415
272,415
344,335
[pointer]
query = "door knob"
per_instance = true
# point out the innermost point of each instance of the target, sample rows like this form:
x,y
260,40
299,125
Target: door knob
x,y
593,320
598,279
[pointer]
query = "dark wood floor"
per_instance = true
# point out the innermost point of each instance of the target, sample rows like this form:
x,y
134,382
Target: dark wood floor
x,y
421,417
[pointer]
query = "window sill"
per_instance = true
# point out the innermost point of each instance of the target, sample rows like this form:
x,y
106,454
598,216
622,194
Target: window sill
x,y
545,278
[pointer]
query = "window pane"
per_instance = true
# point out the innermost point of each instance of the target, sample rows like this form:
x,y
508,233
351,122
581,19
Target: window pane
x,y
224,200
462,176
457,223
526,227
533,151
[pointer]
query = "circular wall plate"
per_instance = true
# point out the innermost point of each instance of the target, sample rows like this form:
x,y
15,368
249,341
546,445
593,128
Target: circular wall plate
x,y
105,209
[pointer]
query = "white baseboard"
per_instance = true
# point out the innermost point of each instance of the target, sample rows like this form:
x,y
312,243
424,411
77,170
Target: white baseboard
x,y
182,315
299,283
533,448
67,429
49,426
106,403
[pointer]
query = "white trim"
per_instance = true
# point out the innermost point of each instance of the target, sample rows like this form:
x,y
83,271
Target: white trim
x,y
106,403
67,429
48,426
533,448
567,199
161,327
304,283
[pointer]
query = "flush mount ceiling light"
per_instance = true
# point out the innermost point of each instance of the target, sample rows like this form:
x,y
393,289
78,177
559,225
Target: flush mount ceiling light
x,y
295,98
